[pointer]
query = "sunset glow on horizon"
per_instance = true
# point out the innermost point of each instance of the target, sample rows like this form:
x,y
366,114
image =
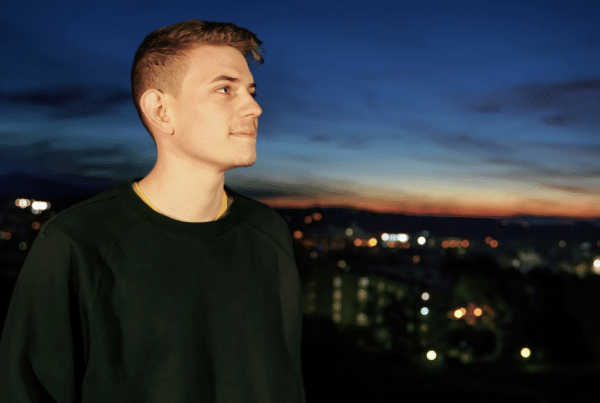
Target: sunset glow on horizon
x,y
442,209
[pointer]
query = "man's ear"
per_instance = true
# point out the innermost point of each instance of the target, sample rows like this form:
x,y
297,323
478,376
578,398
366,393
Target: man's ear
x,y
156,107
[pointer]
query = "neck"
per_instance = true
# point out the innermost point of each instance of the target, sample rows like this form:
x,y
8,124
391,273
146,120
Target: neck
x,y
184,195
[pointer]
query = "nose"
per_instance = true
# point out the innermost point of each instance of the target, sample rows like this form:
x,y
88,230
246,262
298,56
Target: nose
x,y
252,108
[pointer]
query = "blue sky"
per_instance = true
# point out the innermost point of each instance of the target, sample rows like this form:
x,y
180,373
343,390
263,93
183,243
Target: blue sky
x,y
425,107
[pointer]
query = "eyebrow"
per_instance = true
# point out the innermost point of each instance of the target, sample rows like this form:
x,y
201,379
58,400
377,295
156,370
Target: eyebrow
x,y
230,79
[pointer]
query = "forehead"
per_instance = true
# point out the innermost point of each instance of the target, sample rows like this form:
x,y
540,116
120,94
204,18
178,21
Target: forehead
x,y
207,62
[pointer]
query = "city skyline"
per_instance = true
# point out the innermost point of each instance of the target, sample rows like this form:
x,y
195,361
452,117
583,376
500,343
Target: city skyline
x,y
424,108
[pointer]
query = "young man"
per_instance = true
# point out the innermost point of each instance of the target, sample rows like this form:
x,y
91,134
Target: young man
x,y
172,288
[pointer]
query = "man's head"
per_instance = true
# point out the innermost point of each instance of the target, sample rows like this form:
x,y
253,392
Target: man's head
x,y
195,94
161,60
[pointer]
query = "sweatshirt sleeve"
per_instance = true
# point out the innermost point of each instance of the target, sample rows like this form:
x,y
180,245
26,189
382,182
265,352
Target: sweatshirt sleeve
x,y
38,357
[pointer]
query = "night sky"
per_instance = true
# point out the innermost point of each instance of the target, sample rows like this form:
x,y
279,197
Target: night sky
x,y
474,108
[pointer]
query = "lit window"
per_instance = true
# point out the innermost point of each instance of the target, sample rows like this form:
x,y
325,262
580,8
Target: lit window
x,y
362,319
362,294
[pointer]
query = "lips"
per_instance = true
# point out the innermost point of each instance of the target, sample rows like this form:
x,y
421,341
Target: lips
x,y
244,133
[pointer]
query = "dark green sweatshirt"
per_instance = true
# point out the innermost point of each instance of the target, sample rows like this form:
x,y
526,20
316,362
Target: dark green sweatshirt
x,y
118,303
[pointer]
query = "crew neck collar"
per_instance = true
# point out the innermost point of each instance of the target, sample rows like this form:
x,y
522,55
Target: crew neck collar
x,y
145,212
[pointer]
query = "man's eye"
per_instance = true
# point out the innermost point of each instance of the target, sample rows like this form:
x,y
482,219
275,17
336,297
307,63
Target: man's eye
x,y
224,90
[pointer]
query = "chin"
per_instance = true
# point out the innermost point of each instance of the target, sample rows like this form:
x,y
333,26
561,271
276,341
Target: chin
x,y
245,160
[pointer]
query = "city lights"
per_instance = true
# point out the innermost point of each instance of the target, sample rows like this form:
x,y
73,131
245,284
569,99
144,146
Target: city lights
x,y
431,355
362,319
362,294
459,313
22,203
425,296
421,240
525,352
455,243
491,241
394,237
424,311
40,205
596,266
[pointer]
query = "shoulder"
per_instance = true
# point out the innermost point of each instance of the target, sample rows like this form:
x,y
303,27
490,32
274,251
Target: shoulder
x,y
263,219
97,218
253,211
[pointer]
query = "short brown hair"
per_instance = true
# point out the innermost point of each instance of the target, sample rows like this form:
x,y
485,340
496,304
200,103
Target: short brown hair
x,y
159,61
